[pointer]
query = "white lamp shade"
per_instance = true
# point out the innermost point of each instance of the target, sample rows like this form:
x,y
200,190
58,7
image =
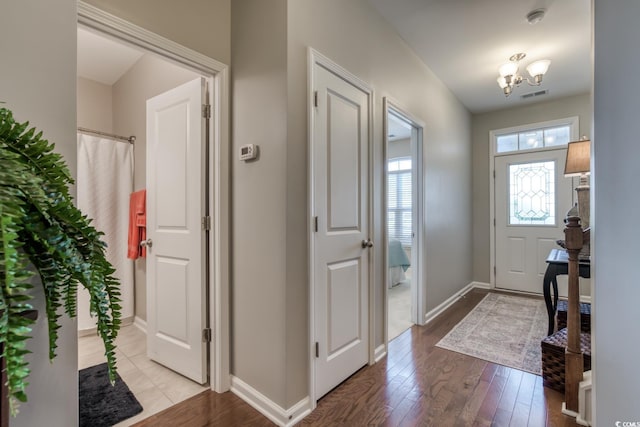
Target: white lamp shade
x,y
538,68
502,82
578,158
508,69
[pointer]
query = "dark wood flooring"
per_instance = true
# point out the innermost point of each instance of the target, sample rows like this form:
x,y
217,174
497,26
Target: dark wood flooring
x,y
417,384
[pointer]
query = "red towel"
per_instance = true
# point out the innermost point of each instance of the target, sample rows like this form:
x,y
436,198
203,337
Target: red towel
x,y
137,224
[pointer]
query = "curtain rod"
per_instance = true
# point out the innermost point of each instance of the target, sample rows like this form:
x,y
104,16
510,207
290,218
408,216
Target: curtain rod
x,y
130,139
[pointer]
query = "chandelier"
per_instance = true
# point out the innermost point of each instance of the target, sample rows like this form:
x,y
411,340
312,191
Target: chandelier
x,y
509,77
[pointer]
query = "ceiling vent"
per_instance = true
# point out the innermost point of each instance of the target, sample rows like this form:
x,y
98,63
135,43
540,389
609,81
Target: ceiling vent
x,y
533,94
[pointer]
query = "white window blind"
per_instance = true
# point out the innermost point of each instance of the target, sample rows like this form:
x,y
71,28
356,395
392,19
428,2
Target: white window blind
x,y
399,200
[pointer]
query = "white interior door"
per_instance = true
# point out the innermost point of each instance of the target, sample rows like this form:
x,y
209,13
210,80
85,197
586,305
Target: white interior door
x,y
532,198
341,204
176,301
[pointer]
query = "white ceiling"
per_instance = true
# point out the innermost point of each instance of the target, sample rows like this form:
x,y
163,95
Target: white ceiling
x,y
462,41
465,41
102,59
397,129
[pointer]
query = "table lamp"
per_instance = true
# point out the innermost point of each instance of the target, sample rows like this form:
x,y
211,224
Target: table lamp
x,y
577,164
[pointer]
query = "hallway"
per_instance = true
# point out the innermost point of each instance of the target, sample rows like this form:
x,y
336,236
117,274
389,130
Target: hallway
x,y
416,384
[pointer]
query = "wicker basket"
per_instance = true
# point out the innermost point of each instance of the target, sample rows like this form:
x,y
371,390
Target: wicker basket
x,y
585,316
553,349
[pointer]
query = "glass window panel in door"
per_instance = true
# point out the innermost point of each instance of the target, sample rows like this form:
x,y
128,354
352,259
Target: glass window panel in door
x,y
532,193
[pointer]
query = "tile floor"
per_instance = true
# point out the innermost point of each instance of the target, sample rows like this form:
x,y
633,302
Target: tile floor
x,y
399,308
155,386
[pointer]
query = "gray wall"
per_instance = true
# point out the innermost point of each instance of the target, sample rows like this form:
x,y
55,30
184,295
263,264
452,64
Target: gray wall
x,y
484,123
614,179
270,200
38,68
148,77
399,148
202,25
356,37
94,105
259,191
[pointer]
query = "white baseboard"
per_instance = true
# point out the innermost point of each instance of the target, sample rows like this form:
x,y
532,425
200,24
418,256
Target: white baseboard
x,y
268,408
379,353
94,331
140,324
568,412
481,285
585,298
430,315
87,332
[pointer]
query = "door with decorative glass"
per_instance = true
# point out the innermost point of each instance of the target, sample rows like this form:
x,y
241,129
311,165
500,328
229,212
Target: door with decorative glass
x,y
532,197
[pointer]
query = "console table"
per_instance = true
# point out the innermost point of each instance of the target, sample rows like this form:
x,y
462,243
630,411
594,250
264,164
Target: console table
x,y
558,264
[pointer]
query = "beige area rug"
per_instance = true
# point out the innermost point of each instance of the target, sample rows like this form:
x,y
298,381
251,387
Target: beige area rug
x,y
502,329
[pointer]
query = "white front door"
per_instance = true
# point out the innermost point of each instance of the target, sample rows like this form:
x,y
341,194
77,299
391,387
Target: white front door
x,y
341,206
532,198
176,288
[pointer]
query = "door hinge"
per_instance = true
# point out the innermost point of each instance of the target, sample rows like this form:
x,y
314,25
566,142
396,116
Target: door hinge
x,y
494,222
315,98
315,224
206,223
206,111
494,174
206,335
495,270
317,349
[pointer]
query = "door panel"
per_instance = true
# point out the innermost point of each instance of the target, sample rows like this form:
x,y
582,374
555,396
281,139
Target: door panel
x,y
341,264
176,301
343,295
532,199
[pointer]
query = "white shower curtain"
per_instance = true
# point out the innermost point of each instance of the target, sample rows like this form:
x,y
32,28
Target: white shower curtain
x,y
104,183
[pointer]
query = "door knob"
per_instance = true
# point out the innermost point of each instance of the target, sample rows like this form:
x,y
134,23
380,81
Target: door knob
x,y
146,243
367,243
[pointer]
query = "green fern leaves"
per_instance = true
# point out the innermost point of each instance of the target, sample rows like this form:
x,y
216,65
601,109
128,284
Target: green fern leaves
x,y
42,231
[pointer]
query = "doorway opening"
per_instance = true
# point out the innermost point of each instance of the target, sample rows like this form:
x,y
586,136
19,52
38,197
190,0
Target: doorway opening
x,y
403,166
121,67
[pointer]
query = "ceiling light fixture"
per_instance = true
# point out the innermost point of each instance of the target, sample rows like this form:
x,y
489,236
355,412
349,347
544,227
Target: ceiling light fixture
x,y
509,77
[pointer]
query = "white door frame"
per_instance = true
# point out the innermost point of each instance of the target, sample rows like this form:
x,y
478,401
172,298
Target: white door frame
x,y
573,122
314,57
417,291
218,74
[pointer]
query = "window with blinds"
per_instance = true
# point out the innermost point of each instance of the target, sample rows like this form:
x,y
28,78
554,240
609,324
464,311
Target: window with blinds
x,y
399,200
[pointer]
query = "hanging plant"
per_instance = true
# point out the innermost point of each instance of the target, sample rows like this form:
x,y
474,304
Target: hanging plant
x,y
43,234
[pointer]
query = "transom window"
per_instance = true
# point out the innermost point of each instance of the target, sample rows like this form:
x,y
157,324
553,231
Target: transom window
x,y
533,138
399,200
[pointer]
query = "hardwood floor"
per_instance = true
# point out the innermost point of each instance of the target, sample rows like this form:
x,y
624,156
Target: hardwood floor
x,y
417,384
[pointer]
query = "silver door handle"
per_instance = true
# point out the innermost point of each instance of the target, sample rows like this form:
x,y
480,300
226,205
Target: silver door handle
x,y
146,243
367,243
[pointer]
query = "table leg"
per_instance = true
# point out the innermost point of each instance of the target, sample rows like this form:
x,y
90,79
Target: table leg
x,y
549,279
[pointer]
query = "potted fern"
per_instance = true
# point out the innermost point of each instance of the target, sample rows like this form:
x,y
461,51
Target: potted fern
x,y
43,234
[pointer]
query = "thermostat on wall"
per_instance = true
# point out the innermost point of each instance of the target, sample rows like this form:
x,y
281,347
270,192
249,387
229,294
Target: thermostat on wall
x,y
248,152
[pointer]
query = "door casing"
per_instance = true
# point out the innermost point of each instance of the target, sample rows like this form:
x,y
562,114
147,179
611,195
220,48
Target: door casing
x,y
97,20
